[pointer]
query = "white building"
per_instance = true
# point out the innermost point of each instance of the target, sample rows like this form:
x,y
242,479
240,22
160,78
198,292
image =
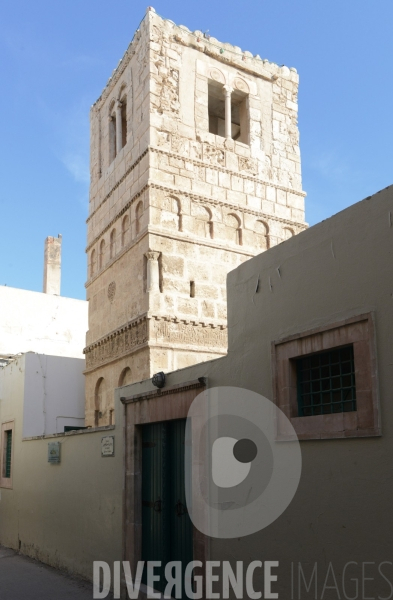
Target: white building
x,y
50,389
42,336
42,322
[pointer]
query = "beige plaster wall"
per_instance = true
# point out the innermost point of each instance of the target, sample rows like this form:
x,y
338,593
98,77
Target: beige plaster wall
x,y
66,515
337,269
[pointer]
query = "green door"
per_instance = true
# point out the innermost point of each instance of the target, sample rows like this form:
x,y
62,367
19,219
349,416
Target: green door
x,y
166,525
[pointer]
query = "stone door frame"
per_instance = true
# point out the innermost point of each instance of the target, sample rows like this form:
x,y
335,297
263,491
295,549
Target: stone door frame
x,y
166,404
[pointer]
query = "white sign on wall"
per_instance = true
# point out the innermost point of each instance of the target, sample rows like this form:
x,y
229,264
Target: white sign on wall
x,y
108,445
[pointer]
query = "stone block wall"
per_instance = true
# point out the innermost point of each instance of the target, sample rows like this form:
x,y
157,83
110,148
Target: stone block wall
x,y
174,207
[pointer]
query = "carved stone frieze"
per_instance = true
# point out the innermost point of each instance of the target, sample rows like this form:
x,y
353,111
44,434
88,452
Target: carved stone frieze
x,y
167,86
213,155
170,92
188,334
241,85
248,164
179,144
133,335
117,344
217,75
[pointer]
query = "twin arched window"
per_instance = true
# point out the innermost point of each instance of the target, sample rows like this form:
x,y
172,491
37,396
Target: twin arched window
x,y
117,125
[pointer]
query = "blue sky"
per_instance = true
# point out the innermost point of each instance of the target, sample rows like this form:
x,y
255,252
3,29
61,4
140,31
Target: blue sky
x,y
56,57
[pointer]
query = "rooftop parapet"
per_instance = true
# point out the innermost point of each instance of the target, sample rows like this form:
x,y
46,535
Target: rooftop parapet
x,y
203,42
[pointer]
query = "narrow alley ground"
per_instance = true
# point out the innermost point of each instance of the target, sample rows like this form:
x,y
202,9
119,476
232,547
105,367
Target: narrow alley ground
x,y
22,578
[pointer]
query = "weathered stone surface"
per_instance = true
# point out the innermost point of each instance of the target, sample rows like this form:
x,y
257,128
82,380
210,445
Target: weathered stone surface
x,y
175,207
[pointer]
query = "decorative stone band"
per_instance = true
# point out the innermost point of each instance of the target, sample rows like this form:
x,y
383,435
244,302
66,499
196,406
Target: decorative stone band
x,y
206,200
116,185
118,215
180,237
156,330
182,332
246,168
115,259
120,342
300,225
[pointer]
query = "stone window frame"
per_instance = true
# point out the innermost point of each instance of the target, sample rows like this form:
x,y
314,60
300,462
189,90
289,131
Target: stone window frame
x,y
6,482
233,84
117,124
229,95
101,254
93,262
358,331
112,243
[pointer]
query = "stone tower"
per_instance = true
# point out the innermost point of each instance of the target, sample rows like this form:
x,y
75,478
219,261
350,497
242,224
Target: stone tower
x,y
195,168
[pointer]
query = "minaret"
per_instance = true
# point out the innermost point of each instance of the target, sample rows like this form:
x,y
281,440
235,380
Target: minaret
x,y
195,168
52,265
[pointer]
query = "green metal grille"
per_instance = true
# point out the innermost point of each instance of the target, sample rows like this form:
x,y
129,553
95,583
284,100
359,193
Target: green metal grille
x,y
326,382
8,451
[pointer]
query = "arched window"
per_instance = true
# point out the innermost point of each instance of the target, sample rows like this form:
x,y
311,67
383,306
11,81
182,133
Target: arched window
x,y
112,132
176,209
112,244
123,102
262,235
287,233
99,400
101,260
233,231
117,125
138,217
92,263
125,228
171,217
125,377
203,221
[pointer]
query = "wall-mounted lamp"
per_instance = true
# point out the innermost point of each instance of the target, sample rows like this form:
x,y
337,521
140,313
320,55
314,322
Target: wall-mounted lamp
x,y
158,380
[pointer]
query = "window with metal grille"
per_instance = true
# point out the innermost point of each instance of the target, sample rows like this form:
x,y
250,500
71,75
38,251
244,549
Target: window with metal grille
x,y
8,453
326,382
